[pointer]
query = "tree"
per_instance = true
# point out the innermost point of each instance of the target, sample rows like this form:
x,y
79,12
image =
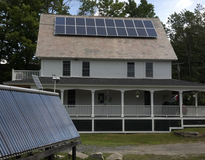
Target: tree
x,y
186,31
19,22
144,9
111,8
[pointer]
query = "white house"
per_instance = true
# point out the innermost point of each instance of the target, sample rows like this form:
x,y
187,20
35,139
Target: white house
x,y
115,74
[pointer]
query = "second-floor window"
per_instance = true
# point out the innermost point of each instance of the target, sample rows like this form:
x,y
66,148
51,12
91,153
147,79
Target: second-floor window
x,y
86,69
130,69
66,68
149,69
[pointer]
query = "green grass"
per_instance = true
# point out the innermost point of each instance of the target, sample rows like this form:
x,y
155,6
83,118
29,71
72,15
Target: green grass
x,y
140,139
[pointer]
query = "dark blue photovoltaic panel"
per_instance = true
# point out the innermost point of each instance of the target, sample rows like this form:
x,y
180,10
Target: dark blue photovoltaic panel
x,y
101,31
80,30
126,27
131,32
90,22
138,23
80,21
60,20
100,22
111,32
60,29
121,32
119,23
70,21
109,23
70,29
129,23
91,31
142,32
148,24
151,33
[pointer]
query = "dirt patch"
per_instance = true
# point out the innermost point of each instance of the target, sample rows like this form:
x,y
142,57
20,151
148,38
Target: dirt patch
x,y
169,149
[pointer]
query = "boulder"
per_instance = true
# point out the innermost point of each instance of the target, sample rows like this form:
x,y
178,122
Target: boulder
x,y
115,156
79,155
97,156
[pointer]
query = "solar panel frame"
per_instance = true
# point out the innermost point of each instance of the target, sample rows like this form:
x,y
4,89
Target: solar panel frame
x,y
106,27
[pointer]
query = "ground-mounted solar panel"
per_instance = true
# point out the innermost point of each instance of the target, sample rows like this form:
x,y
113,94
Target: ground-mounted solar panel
x,y
87,26
30,120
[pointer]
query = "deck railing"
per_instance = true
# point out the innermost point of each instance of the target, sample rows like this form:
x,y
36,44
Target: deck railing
x,y
134,110
24,74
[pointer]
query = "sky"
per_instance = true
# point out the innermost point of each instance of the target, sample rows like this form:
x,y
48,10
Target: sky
x,y
162,8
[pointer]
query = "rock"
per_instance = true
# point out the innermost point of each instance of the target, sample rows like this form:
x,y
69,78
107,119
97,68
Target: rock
x,y
59,156
97,156
79,155
115,156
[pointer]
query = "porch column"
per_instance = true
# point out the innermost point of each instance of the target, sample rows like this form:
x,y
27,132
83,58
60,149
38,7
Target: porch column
x,y
62,96
122,103
181,102
93,103
152,103
196,99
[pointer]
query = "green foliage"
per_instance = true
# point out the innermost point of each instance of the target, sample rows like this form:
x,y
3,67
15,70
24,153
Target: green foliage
x,y
19,22
114,8
187,33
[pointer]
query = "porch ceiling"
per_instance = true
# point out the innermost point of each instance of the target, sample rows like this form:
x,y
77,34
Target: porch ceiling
x,y
111,81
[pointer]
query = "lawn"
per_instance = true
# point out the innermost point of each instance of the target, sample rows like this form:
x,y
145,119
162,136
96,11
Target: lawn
x,y
140,139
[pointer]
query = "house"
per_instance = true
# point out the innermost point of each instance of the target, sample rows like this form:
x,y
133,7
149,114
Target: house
x,y
115,74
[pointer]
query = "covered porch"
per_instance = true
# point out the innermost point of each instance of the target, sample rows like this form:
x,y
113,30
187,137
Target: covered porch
x,y
132,103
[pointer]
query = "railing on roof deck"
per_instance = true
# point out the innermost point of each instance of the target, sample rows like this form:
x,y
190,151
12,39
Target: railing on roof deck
x,y
24,74
134,111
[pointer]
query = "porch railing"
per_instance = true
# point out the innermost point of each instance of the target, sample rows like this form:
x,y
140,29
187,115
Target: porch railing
x,y
135,110
166,110
24,74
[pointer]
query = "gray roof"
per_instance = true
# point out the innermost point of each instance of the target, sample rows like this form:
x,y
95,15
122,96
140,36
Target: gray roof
x,y
109,81
50,46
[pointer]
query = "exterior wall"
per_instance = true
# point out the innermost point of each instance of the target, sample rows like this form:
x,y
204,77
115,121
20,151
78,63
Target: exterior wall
x,y
106,68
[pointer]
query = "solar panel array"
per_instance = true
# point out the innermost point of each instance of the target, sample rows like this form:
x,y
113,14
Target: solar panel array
x,y
104,27
31,121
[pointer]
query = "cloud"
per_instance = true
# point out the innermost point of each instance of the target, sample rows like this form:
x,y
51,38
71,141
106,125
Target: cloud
x,y
183,4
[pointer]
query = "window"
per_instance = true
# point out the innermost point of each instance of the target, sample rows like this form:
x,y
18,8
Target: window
x,y
147,98
149,69
101,98
71,97
130,69
66,68
86,68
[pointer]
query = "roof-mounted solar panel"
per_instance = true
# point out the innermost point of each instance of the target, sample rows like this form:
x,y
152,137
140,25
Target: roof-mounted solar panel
x,y
104,27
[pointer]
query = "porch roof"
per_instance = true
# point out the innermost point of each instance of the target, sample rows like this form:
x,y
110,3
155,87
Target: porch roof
x,y
109,81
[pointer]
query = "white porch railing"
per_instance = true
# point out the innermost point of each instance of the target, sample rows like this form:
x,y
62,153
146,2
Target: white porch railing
x,y
134,110
137,110
24,74
79,110
166,110
107,110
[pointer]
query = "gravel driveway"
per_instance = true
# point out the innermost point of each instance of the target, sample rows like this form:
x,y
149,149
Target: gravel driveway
x,y
169,149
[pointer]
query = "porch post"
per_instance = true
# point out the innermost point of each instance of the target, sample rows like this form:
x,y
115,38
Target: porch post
x,y
122,103
180,103
62,95
196,99
93,103
152,103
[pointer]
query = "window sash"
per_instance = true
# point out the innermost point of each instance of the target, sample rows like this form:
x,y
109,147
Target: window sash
x,y
130,69
66,68
86,68
149,69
